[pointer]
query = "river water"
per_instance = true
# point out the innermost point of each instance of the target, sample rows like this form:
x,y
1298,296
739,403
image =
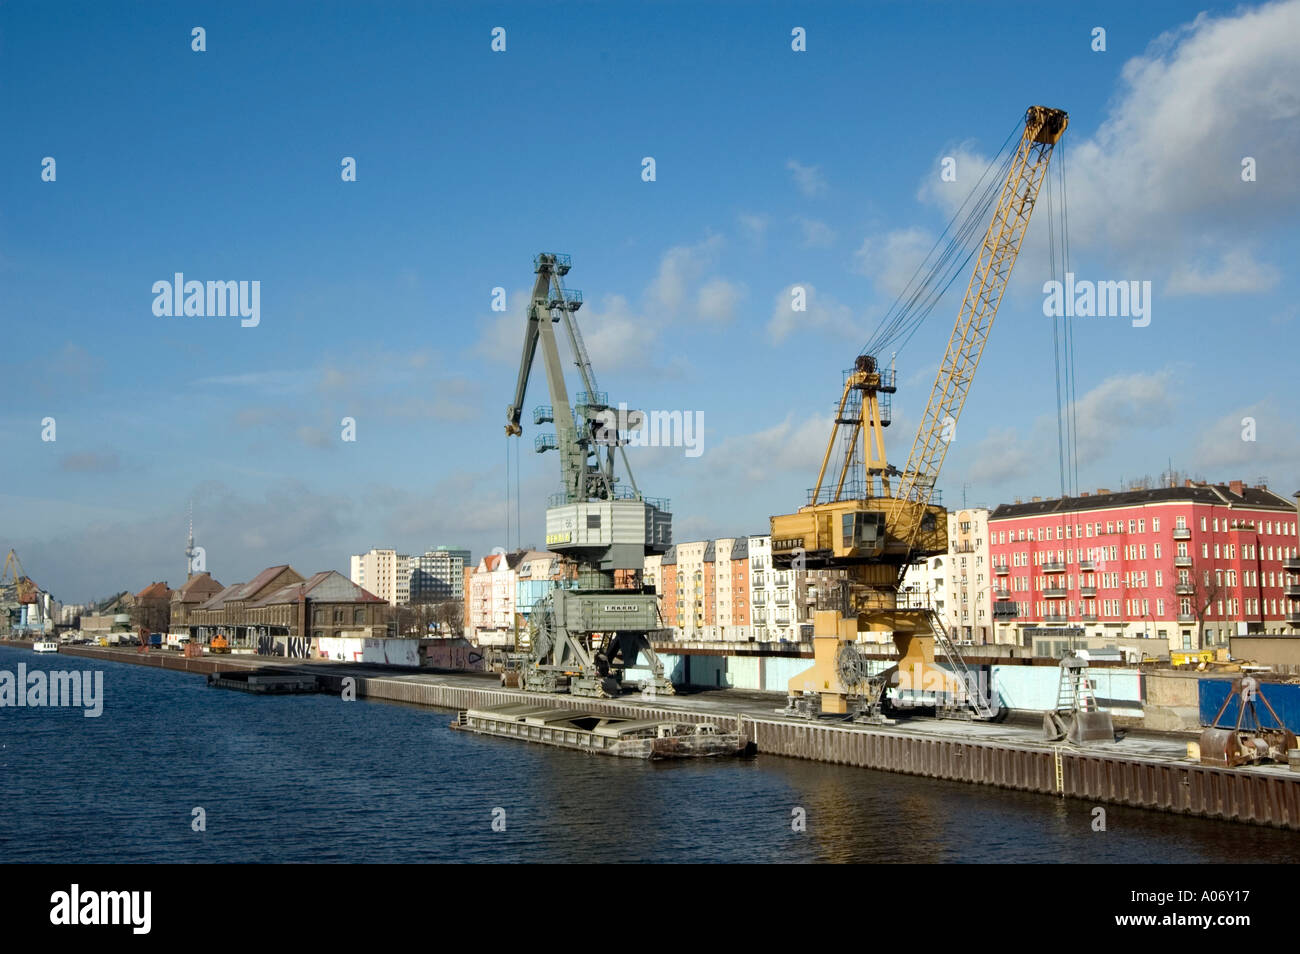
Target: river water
x,y
313,778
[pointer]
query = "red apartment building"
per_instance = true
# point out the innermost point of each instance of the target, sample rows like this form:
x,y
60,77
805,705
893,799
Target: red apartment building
x,y
1190,565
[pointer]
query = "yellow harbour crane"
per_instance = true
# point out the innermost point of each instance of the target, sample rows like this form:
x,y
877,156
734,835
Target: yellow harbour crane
x,y
870,520
24,588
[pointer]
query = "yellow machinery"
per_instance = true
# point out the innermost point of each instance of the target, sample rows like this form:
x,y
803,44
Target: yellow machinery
x,y
24,589
871,521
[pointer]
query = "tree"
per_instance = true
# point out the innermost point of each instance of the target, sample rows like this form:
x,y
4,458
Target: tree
x,y
1195,589
450,616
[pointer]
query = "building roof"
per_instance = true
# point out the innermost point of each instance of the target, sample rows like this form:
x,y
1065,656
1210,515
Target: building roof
x,y
327,586
1256,497
259,582
218,600
197,588
154,591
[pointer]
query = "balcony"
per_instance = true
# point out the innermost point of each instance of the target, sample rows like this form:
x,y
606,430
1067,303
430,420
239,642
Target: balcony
x,y
1089,617
1292,590
1002,570
1002,594
1182,533
782,598
1053,567
1005,610
1187,617
1182,561
1291,563
1088,591
1293,617
1055,618
1086,566
1185,589
1056,593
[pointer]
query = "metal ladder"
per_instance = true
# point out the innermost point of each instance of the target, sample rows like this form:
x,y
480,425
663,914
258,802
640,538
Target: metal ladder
x,y
981,707
1074,692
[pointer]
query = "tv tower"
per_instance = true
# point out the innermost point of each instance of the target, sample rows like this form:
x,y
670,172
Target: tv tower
x,y
189,546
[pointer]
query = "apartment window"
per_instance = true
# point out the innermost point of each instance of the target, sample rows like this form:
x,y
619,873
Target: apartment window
x,y
1180,523
1203,524
1132,525
1155,524
1142,526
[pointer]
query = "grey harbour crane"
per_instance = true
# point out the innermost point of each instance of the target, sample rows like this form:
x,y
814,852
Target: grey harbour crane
x,y
584,639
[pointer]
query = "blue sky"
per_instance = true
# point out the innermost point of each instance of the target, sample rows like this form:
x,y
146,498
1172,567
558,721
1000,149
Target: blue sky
x,y
774,168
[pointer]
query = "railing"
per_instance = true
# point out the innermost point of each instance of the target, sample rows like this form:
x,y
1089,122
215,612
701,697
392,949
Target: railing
x,y
1002,594
1089,617
1182,533
1055,618
1187,617
543,414
562,262
1182,561
1088,591
1002,570
1056,593
1053,567
1086,565
545,442
1292,590
1291,563
1185,589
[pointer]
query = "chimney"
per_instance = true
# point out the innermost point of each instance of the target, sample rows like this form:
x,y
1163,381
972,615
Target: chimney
x,y
1236,486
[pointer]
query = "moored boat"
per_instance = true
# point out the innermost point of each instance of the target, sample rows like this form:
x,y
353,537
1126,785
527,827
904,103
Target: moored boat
x,y
605,734
45,646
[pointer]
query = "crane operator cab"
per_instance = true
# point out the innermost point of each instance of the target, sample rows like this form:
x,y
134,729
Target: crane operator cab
x,y
862,534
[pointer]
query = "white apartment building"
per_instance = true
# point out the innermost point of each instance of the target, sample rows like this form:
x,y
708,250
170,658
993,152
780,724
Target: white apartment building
x,y
385,573
969,577
772,595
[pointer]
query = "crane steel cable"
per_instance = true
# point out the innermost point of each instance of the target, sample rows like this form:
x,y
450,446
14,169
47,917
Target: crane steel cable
x,y
1074,397
935,274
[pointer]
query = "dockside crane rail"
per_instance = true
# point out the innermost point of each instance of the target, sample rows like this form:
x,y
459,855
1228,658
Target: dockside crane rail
x,y
873,519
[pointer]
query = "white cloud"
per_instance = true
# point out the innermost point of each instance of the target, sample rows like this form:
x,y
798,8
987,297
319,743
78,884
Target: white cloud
x,y
680,267
822,313
615,336
891,260
718,299
808,179
1142,401
816,234
1236,273
1222,447
1159,182
753,226
788,447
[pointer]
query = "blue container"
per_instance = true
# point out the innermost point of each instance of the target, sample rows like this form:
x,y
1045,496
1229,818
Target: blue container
x,y
1285,700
